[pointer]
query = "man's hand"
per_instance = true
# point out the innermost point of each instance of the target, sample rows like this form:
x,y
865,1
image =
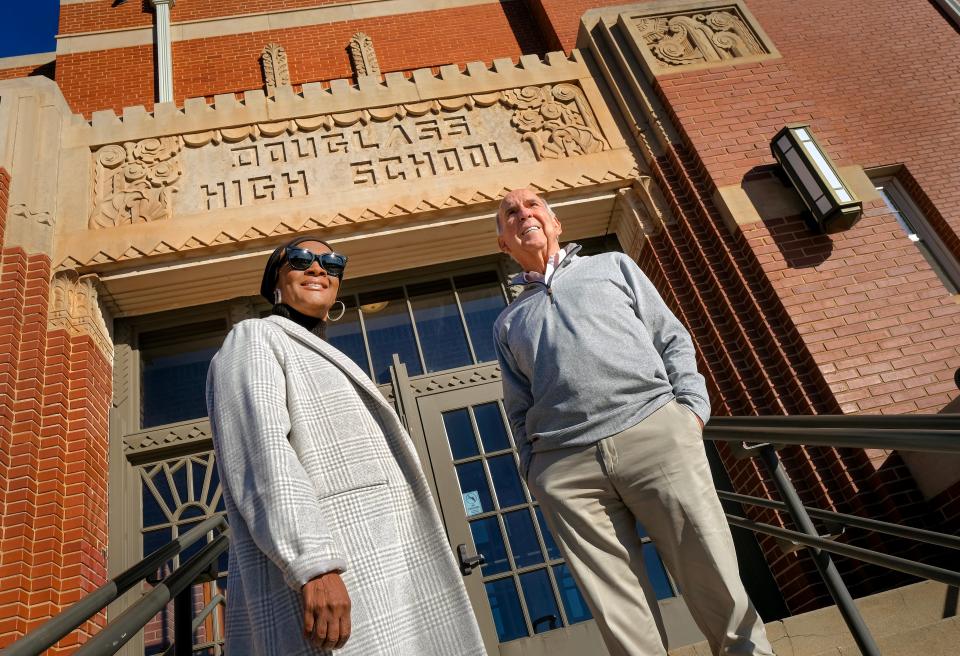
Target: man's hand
x,y
326,611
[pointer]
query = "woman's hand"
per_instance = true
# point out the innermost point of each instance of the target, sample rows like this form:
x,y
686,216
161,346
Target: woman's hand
x,y
326,611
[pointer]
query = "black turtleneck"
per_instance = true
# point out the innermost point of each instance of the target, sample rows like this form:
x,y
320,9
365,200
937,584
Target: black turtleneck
x,y
317,326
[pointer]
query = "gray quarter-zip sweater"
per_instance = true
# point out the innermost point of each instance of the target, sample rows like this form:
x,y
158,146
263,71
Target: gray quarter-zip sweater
x,y
591,353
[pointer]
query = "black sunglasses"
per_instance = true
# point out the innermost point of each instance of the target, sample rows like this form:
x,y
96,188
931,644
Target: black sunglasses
x,y
302,259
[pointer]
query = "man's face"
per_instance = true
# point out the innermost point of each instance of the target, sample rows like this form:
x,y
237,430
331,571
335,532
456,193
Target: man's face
x,y
311,292
527,226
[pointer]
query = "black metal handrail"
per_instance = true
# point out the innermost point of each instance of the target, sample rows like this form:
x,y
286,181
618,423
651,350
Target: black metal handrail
x,y
762,436
55,629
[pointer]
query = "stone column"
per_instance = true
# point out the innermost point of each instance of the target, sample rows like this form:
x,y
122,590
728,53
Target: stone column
x,y
164,51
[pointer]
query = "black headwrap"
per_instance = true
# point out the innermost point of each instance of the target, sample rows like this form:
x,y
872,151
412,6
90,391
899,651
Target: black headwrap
x,y
271,272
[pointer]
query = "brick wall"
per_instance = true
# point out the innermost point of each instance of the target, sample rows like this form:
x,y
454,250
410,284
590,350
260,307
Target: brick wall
x,y
881,326
123,77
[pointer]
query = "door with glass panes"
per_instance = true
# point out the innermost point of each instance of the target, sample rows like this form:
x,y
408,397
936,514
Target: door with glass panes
x,y
523,592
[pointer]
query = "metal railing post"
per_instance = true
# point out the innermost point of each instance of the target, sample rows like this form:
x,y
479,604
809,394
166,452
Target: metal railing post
x,y
836,586
183,622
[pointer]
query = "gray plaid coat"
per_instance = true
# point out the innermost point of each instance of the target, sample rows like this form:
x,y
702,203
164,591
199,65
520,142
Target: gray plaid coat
x,y
319,474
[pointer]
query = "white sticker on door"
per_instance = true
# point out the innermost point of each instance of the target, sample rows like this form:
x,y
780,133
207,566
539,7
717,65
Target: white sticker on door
x,y
471,501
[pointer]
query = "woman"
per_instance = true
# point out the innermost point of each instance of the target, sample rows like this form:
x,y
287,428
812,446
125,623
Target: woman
x,y
335,539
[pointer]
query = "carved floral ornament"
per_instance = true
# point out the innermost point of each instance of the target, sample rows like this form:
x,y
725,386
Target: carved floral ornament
x,y
134,182
699,38
74,306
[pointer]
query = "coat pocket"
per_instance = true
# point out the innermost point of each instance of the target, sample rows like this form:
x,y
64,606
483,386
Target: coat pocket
x,y
357,477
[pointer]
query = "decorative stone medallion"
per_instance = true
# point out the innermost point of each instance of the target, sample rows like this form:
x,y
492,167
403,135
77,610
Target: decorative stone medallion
x,y
673,36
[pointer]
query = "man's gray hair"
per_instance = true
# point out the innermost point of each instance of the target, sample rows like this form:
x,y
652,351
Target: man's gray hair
x,y
496,216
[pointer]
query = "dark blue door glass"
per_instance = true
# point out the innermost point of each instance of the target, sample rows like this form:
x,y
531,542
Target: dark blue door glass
x,y
481,298
489,544
389,331
541,603
463,443
493,433
346,335
174,386
439,326
505,606
573,602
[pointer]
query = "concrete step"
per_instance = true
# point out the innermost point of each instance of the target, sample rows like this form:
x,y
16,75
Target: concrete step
x,y
894,617
938,639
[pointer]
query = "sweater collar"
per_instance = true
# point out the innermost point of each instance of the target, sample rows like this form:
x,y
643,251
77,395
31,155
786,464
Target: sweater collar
x,y
568,254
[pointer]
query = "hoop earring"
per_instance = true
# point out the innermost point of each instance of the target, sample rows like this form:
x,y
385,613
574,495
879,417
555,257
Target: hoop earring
x,y
277,299
343,310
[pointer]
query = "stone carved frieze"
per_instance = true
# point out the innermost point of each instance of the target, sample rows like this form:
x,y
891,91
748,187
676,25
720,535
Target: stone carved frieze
x,y
396,144
276,72
699,37
555,121
74,306
309,156
362,55
134,182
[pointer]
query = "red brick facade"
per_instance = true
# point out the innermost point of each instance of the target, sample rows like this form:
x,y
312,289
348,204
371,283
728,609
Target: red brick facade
x,y
54,400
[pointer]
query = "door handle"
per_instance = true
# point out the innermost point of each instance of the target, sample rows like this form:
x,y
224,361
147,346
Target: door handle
x,y
468,563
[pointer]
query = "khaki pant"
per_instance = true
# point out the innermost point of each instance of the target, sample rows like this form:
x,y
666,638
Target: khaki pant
x,y
656,473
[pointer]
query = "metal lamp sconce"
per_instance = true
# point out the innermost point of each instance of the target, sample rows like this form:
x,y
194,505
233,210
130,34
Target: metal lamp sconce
x,y
831,204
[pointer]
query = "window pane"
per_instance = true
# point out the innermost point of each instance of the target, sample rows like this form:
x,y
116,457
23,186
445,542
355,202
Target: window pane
x,y
493,434
523,539
474,488
463,443
345,335
441,333
542,605
389,331
506,480
482,300
553,551
573,602
174,386
505,606
489,544
656,572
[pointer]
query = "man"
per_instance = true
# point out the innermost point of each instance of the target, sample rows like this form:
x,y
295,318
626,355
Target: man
x,y
607,409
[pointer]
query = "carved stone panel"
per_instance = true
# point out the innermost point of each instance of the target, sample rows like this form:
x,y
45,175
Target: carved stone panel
x,y
399,144
675,36
362,55
276,73
74,306
134,182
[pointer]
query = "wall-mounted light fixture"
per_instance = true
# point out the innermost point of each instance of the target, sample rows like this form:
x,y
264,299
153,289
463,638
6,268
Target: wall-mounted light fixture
x,y
831,203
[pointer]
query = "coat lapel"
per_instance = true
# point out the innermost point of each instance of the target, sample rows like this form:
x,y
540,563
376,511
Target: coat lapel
x,y
345,364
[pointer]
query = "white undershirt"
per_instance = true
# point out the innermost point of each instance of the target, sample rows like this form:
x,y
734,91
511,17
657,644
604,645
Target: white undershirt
x,y
552,264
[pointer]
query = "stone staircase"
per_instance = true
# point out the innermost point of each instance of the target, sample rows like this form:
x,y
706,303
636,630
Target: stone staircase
x,y
916,620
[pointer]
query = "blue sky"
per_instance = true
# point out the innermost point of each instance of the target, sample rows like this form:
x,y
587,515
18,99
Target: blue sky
x,y
28,26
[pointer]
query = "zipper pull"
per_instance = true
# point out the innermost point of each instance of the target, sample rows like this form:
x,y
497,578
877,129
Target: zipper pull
x,y
550,294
